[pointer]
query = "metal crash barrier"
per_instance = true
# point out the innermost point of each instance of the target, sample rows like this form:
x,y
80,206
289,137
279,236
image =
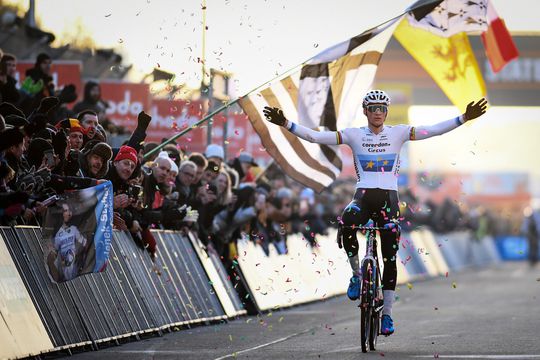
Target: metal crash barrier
x,y
132,297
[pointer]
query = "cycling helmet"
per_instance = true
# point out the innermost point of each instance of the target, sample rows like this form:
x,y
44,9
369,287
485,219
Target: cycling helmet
x,y
376,97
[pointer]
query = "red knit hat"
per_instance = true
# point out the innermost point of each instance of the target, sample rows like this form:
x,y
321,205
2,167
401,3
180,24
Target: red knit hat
x,y
126,152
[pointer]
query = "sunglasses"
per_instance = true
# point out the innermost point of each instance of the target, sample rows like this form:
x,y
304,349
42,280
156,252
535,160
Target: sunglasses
x,y
374,108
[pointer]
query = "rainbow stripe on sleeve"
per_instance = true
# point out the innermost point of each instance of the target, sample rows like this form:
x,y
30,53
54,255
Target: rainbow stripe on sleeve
x,y
339,138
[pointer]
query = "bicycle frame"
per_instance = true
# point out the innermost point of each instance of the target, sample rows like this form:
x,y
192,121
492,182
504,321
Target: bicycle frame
x,y
371,256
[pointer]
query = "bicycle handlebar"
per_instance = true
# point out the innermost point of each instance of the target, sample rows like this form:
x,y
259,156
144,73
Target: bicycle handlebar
x,y
387,227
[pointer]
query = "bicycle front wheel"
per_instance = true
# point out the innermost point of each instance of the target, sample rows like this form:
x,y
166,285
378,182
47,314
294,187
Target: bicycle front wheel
x,y
374,327
366,309
365,326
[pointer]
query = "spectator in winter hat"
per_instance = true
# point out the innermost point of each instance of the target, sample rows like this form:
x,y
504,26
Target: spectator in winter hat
x,y
94,159
76,132
215,153
173,168
125,162
242,164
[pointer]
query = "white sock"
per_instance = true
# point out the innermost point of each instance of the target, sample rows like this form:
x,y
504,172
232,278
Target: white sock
x,y
355,264
389,296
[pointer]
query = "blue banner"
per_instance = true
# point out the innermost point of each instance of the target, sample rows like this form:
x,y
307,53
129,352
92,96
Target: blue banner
x,y
77,232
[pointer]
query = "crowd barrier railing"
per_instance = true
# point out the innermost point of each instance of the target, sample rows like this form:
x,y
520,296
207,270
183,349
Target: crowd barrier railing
x,y
134,296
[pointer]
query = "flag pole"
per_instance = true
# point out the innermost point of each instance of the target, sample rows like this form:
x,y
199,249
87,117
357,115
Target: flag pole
x,y
217,111
418,4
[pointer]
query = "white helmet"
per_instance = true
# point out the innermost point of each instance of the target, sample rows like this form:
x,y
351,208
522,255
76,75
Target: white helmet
x,y
376,97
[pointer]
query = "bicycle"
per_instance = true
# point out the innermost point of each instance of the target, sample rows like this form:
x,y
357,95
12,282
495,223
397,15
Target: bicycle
x,y
371,298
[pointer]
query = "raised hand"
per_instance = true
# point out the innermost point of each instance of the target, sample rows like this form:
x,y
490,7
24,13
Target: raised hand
x,y
475,110
275,116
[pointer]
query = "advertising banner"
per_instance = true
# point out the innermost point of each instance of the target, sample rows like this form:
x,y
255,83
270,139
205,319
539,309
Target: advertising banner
x,y
126,101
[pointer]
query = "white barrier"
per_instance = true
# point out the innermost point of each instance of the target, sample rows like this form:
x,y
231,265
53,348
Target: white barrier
x,y
304,274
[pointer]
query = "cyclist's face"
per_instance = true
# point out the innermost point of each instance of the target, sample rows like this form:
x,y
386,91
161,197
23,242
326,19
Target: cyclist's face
x,y
376,118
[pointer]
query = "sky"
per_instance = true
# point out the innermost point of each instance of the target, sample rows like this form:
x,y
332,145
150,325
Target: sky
x,y
257,40
253,39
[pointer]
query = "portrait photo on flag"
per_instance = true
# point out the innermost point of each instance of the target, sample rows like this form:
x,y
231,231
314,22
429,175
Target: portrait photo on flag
x,y
77,233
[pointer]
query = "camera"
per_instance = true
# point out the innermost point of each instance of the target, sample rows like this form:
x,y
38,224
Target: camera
x,y
134,191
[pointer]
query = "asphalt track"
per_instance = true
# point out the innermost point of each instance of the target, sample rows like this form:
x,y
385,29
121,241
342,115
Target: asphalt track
x,y
490,313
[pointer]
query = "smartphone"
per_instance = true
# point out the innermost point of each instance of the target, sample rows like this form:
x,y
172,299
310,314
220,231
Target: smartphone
x,y
49,155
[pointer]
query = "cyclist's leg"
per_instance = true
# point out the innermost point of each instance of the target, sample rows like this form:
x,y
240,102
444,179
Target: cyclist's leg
x,y
353,214
389,211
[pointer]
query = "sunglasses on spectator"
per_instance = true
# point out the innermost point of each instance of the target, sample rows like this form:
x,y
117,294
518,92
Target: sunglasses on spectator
x,y
374,108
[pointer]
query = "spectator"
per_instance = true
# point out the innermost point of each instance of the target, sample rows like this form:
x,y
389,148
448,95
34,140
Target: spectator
x,y
242,165
124,165
155,182
184,180
91,100
38,84
210,173
531,229
215,153
39,80
90,123
94,159
76,132
8,89
12,144
201,163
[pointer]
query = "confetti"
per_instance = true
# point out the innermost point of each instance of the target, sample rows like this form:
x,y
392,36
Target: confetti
x,y
410,286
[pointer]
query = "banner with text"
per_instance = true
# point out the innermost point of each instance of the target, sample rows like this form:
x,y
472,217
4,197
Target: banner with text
x,y
77,233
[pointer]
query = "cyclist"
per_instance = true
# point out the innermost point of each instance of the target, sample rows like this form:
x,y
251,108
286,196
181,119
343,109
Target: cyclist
x,y
376,149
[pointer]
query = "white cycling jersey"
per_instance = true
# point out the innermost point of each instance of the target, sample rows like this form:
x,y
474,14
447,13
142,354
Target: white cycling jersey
x,y
65,245
376,156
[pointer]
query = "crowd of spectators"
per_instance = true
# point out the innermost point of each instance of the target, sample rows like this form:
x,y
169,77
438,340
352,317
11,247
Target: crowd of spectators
x,y
46,148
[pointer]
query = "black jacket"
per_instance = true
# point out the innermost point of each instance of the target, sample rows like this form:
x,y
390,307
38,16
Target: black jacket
x,y
9,92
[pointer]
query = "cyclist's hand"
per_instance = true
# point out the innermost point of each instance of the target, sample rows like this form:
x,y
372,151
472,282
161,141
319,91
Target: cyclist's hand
x,y
475,110
275,116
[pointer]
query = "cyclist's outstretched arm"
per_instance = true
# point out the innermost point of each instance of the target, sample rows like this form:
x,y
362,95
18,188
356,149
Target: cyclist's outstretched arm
x,y
473,111
275,116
